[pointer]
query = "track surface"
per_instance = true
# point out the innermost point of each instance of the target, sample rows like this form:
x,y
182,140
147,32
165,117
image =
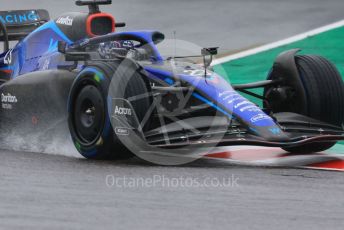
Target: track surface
x,y
40,191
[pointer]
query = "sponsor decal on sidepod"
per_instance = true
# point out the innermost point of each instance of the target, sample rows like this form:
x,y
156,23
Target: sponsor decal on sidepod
x,y
7,100
122,111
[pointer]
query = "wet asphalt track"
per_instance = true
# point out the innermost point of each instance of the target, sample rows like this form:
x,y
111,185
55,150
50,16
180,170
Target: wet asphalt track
x,y
40,191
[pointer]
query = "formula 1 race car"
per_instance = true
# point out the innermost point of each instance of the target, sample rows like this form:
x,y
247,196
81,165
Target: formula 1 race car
x,y
120,95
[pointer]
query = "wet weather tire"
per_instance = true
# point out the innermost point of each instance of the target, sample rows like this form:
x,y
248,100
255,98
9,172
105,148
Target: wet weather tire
x,y
324,97
89,113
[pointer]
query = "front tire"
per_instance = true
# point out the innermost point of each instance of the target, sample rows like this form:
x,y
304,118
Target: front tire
x,y
323,91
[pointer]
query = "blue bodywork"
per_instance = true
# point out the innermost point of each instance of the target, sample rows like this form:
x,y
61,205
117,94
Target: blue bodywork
x,y
38,51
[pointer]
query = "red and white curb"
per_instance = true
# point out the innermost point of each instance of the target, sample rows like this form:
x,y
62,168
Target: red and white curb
x,y
276,157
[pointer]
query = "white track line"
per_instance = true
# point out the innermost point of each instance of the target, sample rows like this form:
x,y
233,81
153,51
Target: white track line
x,y
278,43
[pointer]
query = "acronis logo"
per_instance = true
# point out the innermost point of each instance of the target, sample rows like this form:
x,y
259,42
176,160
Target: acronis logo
x,y
14,17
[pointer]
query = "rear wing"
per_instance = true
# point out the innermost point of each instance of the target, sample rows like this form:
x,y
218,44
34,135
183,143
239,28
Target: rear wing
x,y
20,23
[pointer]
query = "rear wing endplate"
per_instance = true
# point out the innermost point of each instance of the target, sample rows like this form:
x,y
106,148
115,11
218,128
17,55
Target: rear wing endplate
x,y
20,23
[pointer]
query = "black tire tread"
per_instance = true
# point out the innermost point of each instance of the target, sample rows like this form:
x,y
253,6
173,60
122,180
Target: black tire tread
x,y
324,89
112,150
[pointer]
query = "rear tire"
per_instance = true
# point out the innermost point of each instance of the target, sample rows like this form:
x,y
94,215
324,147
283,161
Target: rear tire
x,y
89,120
324,96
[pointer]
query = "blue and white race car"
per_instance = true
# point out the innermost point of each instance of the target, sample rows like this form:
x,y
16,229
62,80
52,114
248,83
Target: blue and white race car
x,y
120,95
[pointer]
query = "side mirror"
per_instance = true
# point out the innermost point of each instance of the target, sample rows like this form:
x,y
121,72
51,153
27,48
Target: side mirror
x,y
210,51
208,54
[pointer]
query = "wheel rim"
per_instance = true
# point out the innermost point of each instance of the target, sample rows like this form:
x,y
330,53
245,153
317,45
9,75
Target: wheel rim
x,y
89,115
